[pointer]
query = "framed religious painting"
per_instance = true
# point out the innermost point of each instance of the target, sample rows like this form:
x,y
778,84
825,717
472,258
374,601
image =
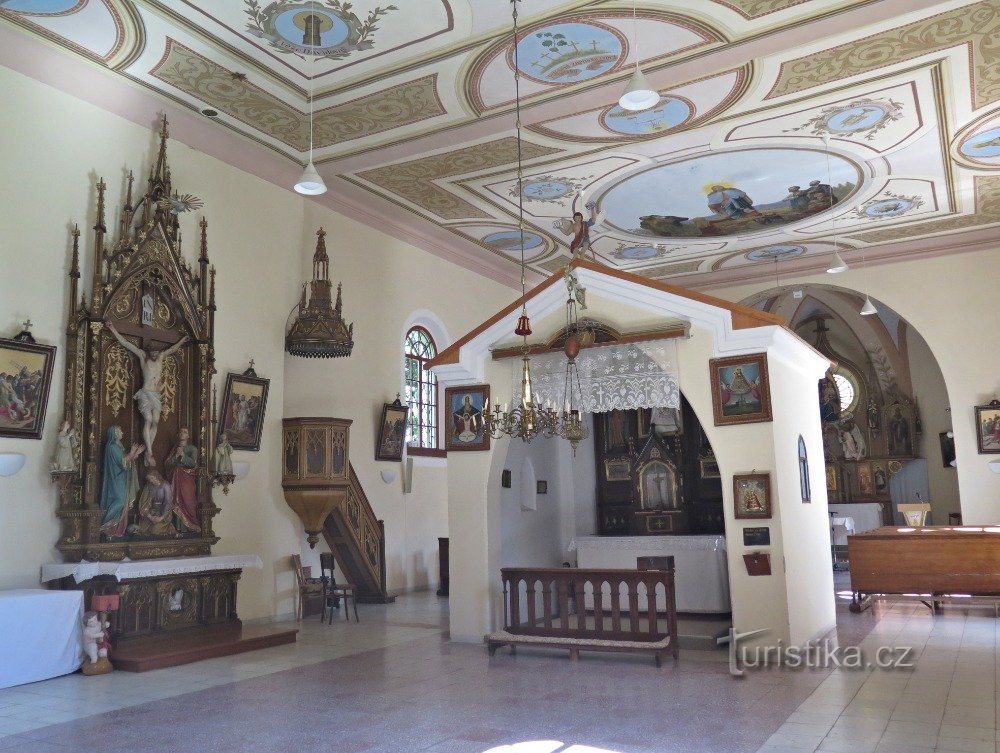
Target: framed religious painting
x,y
25,376
244,401
392,431
866,484
752,495
465,427
740,390
988,427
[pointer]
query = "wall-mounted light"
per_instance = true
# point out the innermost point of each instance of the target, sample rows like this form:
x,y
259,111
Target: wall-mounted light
x,y
11,463
241,469
994,465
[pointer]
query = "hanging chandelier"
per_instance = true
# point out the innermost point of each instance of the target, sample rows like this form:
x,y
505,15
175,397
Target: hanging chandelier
x,y
527,419
319,330
571,426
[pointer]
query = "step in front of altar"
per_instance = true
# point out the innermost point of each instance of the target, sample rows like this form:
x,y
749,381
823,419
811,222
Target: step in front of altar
x,y
196,644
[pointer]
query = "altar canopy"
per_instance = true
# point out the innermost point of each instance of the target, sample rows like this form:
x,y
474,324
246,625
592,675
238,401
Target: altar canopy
x,y
633,375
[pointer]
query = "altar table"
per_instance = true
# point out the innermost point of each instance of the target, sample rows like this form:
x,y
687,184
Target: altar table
x,y
867,516
130,569
42,632
701,573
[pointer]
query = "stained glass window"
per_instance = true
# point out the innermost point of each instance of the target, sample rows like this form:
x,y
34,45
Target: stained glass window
x,y
421,389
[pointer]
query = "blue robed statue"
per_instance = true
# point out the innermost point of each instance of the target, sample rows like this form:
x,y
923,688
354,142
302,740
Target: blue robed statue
x,y
119,482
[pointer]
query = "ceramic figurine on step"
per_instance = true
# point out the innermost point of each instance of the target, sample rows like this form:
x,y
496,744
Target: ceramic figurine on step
x,y
96,645
224,456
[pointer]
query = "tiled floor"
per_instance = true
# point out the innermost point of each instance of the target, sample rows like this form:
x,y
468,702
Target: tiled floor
x,y
394,683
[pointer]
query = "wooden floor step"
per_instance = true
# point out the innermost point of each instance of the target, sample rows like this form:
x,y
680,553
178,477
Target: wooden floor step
x,y
170,650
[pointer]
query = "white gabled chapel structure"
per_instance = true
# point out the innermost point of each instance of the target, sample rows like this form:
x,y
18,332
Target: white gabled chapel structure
x,y
795,603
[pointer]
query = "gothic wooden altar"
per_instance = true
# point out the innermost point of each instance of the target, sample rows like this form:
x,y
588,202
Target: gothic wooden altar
x,y
146,304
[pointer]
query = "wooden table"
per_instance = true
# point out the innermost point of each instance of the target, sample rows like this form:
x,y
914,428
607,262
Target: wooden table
x,y
928,562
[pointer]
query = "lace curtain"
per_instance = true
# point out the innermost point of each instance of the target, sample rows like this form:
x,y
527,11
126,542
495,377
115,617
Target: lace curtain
x,y
635,375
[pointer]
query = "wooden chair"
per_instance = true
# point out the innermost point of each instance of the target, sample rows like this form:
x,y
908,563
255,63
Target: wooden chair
x,y
309,588
334,593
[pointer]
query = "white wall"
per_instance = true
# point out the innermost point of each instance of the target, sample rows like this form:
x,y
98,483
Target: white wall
x,y
261,239
951,302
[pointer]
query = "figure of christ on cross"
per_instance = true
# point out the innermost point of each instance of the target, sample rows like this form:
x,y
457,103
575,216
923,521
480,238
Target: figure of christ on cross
x,y
148,399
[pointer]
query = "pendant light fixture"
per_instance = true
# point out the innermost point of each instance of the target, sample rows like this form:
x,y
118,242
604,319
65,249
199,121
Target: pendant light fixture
x,y
638,94
838,264
527,419
867,308
310,183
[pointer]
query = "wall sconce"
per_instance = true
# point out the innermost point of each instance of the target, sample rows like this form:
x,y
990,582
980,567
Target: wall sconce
x,y
994,466
11,463
241,469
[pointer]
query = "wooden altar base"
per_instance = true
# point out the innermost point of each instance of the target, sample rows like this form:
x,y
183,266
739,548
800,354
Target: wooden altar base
x,y
187,646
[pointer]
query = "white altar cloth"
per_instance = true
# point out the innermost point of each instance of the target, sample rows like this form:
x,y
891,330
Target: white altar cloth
x,y
42,632
701,573
840,528
129,569
866,516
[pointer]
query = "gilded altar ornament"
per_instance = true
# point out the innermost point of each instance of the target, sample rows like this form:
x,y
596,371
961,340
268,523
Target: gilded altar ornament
x,y
319,330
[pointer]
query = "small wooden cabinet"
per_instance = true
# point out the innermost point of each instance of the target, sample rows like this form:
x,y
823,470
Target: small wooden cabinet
x,y
443,565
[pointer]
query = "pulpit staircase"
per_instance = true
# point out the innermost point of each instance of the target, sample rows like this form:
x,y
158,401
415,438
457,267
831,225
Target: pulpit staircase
x,y
357,539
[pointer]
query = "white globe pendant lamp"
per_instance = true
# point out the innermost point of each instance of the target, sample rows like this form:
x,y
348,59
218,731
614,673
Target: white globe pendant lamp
x,y
310,183
638,94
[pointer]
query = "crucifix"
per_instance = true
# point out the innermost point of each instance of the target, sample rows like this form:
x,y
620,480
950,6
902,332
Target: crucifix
x,y
151,357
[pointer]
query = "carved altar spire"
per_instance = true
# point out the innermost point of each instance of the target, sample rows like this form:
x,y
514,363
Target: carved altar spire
x,y
74,275
203,260
162,172
99,231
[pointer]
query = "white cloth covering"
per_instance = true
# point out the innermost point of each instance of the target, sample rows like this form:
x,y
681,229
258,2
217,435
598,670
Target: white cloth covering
x,y
634,375
42,633
866,516
840,529
129,569
701,574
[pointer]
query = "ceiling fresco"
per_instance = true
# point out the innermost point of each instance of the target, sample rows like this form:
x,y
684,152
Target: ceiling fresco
x,y
786,129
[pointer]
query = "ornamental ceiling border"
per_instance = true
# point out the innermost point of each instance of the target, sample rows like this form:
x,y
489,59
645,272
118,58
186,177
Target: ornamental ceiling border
x,y
471,88
985,211
413,179
754,9
975,28
211,83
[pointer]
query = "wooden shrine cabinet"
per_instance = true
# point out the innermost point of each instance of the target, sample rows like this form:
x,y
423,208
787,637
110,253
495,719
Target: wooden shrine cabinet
x,y
656,474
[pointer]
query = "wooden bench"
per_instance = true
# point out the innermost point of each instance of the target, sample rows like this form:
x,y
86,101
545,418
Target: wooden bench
x,y
550,608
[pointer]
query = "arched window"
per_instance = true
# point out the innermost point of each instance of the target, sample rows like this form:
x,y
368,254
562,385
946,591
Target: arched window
x,y
421,389
804,471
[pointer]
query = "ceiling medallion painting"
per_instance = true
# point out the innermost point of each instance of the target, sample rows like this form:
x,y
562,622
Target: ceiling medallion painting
x,y
710,195
510,240
775,253
567,53
670,113
888,205
549,188
639,253
43,7
867,116
981,148
327,29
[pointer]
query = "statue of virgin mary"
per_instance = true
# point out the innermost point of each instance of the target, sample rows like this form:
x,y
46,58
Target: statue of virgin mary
x,y
119,483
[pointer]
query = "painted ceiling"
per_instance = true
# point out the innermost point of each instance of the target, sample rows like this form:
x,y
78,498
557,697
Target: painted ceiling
x,y
786,129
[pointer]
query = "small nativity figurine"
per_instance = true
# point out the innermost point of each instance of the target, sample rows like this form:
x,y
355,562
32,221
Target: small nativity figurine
x,y
66,443
96,645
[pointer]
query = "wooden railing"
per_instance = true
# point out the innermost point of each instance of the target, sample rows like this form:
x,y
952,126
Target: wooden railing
x,y
592,604
357,539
